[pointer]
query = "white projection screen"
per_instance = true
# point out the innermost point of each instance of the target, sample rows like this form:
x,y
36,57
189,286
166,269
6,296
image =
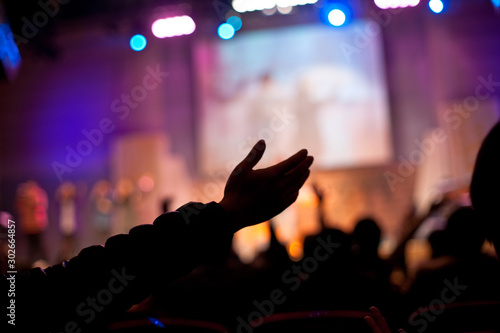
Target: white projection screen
x,y
313,86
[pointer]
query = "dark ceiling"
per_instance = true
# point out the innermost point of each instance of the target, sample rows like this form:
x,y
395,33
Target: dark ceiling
x,y
23,13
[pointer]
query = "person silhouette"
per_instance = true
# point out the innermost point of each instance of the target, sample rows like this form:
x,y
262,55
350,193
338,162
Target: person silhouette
x,y
484,195
485,186
82,294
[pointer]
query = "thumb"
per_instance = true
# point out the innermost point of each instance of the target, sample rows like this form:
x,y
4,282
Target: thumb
x,y
253,156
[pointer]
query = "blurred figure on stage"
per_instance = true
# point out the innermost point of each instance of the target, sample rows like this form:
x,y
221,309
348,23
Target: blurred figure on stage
x,y
101,210
31,204
126,199
66,199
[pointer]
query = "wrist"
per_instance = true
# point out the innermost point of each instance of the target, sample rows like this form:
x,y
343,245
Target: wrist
x,y
232,213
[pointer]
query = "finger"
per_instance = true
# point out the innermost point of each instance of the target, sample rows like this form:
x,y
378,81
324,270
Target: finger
x,y
381,322
300,168
295,184
253,156
291,199
295,179
287,201
300,182
375,329
293,189
290,163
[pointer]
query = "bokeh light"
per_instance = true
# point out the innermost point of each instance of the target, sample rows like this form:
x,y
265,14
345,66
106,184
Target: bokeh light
x,y
138,42
295,250
436,6
269,11
236,22
146,184
336,17
384,4
173,26
285,10
242,6
226,31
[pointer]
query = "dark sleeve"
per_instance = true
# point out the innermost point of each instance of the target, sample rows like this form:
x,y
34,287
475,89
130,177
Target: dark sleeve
x,y
101,281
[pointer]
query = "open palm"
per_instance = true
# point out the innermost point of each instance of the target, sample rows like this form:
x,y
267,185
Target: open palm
x,y
254,196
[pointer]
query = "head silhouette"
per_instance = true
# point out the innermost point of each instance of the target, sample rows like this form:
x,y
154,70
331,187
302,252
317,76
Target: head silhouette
x,y
485,186
464,234
366,237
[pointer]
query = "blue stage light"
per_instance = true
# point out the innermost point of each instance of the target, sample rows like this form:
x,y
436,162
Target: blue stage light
x,y
336,13
336,17
437,6
138,42
236,22
226,31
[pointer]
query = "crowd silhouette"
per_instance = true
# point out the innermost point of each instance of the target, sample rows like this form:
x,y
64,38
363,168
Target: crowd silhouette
x,y
183,266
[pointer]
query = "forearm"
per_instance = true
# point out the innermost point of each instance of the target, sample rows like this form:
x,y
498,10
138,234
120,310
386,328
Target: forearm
x,y
103,280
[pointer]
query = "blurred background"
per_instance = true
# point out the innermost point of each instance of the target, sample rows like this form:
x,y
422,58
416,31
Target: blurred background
x,y
113,112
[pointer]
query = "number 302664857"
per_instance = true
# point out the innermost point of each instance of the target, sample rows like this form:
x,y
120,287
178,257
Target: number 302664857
x,y
11,262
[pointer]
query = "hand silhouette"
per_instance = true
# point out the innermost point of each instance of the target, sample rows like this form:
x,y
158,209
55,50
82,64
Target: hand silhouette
x,y
319,193
254,196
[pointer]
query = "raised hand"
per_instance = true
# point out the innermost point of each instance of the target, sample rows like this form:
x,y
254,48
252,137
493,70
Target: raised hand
x,y
318,192
254,196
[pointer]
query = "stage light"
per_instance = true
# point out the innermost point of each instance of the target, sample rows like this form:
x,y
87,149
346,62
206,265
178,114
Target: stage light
x,y
496,3
226,31
384,4
285,10
146,184
336,17
269,12
295,250
436,6
173,26
336,13
236,22
138,42
242,6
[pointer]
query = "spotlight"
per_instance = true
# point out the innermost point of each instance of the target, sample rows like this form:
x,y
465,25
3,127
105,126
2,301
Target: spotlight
x,y
226,31
146,184
285,10
138,42
173,26
236,22
336,14
336,17
384,4
437,6
242,6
